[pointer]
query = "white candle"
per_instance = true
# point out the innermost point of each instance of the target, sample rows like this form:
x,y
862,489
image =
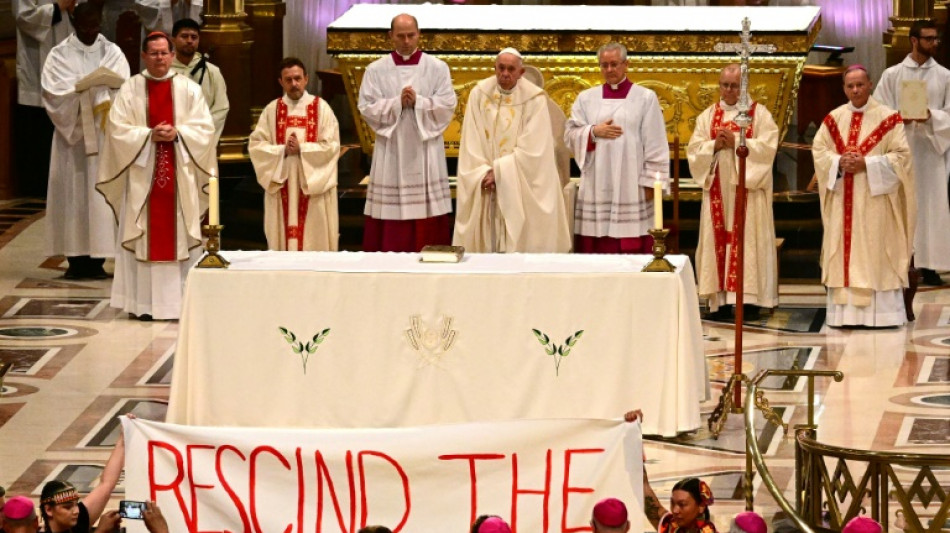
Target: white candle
x,y
213,217
658,203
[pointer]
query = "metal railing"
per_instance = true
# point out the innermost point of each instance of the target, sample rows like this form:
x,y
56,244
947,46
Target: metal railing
x,y
835,484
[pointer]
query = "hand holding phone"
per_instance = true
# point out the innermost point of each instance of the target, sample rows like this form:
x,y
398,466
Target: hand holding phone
x,y
132,510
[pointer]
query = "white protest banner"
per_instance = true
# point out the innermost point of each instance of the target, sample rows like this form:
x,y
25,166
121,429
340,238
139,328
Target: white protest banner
x,y
543,476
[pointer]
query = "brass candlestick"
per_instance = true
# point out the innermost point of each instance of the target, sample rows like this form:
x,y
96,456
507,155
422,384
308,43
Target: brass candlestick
x,y
659,263
211,258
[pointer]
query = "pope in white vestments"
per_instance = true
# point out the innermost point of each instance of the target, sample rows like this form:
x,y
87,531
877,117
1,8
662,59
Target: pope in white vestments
x,y
929,141
79,222
295,148
154,173
618,137
868,207
714,166
509,195
407,98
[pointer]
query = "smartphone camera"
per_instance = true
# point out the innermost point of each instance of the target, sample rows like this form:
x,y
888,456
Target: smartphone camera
x,y
131,509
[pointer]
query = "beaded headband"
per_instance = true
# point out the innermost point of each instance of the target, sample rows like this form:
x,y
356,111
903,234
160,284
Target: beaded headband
x,y
64,495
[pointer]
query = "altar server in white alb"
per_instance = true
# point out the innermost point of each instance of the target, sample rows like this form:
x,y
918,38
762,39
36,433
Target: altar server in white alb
x,y
161,15
79,223
868,208
154,174
714,166
618,137
407,98
295,148
929,141
509,194
186,36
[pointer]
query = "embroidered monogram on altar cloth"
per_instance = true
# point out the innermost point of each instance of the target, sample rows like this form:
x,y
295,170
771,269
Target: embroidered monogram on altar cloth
x,y
430,343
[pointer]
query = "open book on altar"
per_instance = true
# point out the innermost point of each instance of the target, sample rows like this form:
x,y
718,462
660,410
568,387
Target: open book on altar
x,y
913,99
100,76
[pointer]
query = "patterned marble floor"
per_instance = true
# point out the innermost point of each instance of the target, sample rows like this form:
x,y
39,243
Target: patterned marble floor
x,y
78,363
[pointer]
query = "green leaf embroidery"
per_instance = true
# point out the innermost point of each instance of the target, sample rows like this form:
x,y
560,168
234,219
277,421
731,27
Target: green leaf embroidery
x,y
558,351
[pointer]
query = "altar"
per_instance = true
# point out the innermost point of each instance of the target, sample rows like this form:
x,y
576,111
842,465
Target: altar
x,y
359,340
671,51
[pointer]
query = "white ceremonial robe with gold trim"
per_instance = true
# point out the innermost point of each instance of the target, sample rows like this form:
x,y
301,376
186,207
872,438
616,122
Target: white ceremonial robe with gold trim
x,y
864,263
125,178
715,263
78,219
509,133
299,190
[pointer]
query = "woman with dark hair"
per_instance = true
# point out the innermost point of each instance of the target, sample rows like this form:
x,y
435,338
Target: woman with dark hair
x,y
689,502
64,512
489,523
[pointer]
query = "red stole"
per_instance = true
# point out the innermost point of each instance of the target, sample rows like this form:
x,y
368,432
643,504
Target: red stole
x,y
162,198
854,131
717,210
310,123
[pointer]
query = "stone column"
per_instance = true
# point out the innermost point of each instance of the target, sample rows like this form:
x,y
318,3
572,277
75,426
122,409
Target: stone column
x,y
267,19
896,39
228,40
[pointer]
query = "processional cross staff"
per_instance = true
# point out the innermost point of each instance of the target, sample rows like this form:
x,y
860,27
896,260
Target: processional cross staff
x,y
745,49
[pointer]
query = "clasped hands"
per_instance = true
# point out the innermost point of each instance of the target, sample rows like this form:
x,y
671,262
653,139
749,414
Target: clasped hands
x,y
852,162
408,97
164,132
293,145
488,182
724,138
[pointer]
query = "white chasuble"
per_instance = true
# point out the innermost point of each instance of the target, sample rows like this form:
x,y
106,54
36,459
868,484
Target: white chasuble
x,y
408,177
718,175
611,201
868,216
127,175
930,145
300,200
36,35
78,219
509,133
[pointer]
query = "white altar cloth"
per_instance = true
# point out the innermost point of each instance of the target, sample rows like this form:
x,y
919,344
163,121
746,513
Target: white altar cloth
x,y
413,343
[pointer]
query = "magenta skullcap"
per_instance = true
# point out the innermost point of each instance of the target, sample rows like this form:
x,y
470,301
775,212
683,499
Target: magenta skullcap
x,y
494,525
862,524
18,508
750,522
610,512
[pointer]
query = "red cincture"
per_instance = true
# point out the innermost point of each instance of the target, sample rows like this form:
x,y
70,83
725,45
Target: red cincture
x,y
720,235
309,122
854,132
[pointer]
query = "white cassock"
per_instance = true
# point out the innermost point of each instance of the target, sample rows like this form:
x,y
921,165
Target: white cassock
x,y
408,178
868,217
130,183
718,174
510,133
611,201
300,202
36,35
930,145
215,91
79,221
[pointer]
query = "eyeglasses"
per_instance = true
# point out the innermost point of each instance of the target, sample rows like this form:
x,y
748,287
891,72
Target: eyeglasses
x,y
155,55
930,39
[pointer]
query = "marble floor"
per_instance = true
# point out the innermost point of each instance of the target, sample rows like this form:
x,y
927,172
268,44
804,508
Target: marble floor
x,y
78,363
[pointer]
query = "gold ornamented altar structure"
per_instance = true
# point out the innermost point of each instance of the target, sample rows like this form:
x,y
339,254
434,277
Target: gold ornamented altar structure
x,y
671,51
